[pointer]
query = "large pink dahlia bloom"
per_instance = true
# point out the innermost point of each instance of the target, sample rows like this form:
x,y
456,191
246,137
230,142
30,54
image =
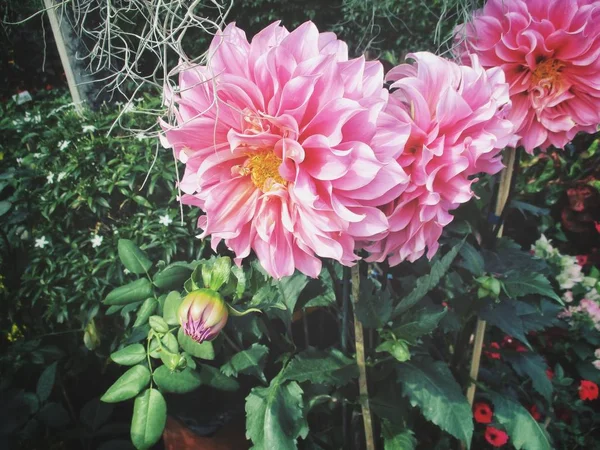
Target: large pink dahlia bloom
x,y
550,53
457,129
286,147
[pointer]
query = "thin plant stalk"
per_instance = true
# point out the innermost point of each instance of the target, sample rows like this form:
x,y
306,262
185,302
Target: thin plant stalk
x,y
503,194
359,340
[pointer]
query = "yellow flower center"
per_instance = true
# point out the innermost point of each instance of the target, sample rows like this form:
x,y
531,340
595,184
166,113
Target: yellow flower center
x,y
547,71
264,169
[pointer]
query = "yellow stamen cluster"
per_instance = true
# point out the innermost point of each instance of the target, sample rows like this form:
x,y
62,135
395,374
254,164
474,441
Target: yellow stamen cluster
x,y
547,71
264,169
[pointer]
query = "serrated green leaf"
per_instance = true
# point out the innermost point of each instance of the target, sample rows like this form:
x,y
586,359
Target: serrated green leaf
x,y
149,419
321,366
519,283
46,382
374,307
180,382
173,276
524,431
203,351
128,386
134,259
274,415
250,362
397,439
171,308
210,376
130,355
428,282
421,323
288,291
145,311
431,386
472,260
398,349
135,291
534,367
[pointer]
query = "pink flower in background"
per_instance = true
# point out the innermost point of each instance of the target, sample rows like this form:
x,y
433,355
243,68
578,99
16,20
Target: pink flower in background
x,y
286,147
550,53
455,114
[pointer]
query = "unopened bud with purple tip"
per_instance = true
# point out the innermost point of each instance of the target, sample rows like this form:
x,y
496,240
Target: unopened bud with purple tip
x,y
203,314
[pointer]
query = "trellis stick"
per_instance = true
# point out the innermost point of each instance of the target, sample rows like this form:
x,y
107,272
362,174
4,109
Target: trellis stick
x,y
503,194
64,56
359,340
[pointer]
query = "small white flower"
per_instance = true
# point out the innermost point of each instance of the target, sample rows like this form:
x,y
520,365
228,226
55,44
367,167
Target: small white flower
x,y
568,297
165,220
61,175
41,242
62,145
37,155
597,353
37,118
50,178
116,231
126,271
88,128
129,107
19,161
597,364
141,136
96,240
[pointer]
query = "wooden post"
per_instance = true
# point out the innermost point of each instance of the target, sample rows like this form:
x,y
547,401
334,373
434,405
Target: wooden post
x,y
359,340
503,193
64,55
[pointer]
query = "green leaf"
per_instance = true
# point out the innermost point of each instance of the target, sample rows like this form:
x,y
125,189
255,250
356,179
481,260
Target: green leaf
x,y
423,322
4,207
149,419
532,366
135,291
128,386
46,382
321,291
374,307
398,349
203,351
173,276
171,308
524,431
158,324
274,416
397,439
472,260
250,362
132,257
519,284
180,382
428,282
431,386
288,291
145,311
142,201
220,272
321,366
95,413
130,355
210,376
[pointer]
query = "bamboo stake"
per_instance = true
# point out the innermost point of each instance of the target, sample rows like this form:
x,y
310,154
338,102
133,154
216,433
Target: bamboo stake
x,y
503,193
64,57
360,361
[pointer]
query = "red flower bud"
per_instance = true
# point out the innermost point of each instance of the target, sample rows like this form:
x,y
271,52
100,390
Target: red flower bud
x,y
482,413
203,314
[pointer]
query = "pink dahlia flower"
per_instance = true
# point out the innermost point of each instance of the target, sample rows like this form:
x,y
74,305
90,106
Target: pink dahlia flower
x,y
550,53
286,147
457,129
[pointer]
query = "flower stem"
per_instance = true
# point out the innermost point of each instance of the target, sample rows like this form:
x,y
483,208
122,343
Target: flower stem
x,y
503,193
359,340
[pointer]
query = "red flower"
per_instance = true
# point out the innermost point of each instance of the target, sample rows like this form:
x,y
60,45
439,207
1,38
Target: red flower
x,y
582,260
494,355
588,390
535,413
482,413
597,225
549,374
496,437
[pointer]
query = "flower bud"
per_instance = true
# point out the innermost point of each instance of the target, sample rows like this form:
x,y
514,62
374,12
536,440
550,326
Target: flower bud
x,y
203,314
